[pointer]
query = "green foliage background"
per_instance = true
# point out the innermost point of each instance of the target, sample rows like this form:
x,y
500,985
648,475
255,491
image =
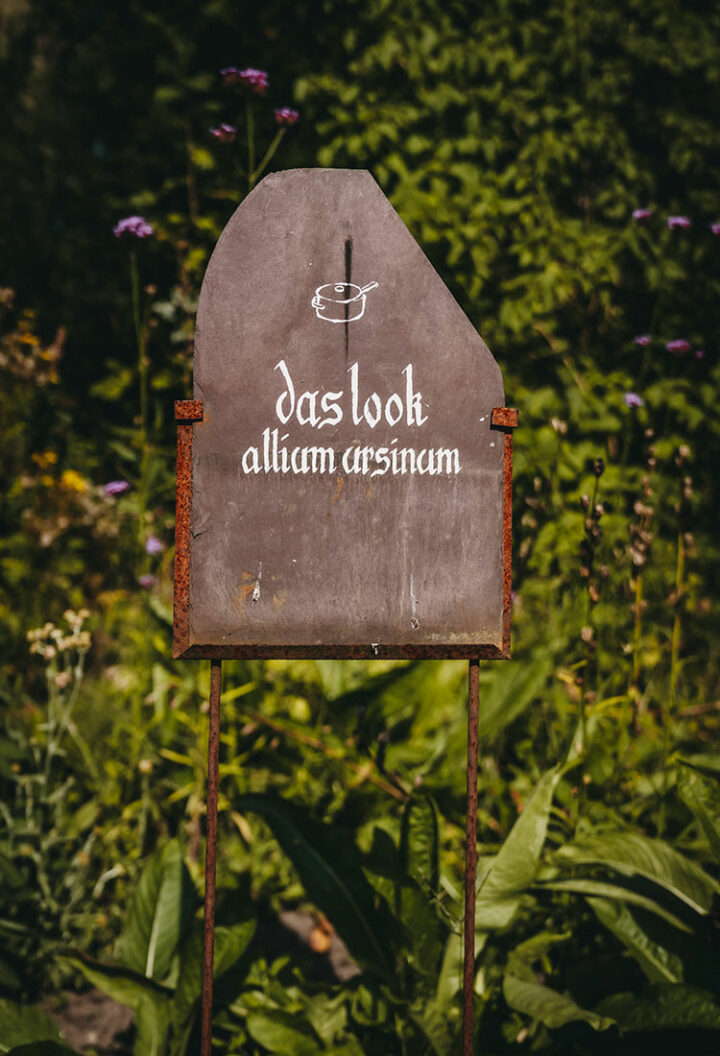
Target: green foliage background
x,y
515,138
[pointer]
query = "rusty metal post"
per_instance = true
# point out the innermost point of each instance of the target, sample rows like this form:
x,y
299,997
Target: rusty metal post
x,y
470,856
210,855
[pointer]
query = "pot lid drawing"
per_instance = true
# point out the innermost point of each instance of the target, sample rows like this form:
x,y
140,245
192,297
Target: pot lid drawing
x,y
341,302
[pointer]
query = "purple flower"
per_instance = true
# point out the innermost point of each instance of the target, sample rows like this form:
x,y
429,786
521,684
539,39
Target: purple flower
x,y
643,340
147,582
230,74
284,115
137,226
153,545
116,487
715,227
633,400
225,133
699,353
679,345
257,80
641,214
678,222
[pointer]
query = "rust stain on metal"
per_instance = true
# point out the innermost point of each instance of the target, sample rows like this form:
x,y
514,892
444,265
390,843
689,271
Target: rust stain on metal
x,y
470,856
186,412
365,651
506,419
210,856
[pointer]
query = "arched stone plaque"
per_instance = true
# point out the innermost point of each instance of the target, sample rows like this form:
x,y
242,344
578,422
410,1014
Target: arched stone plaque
x,y
343,487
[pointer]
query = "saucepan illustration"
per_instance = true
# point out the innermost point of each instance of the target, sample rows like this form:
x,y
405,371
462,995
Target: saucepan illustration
x,y
340,302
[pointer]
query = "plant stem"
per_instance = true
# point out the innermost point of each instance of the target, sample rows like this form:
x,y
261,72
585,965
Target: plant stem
x,y
268,155
250,122
143,387
668,709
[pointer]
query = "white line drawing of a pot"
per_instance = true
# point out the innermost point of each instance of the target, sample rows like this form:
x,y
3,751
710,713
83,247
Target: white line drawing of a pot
x,y
341,302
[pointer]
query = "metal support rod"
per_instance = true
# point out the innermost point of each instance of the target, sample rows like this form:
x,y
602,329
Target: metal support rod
x,y
470,856
210,855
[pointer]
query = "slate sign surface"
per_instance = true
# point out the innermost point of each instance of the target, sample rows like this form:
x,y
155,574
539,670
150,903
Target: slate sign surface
x,y
347,485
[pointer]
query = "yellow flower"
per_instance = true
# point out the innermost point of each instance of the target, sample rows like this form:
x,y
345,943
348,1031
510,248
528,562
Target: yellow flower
x,y
44,459
72,481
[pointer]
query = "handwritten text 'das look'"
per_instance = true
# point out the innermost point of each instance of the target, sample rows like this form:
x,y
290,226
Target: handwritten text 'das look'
x,y
310,408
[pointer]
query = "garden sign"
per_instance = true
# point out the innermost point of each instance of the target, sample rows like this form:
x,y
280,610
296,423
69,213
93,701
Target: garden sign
x,y
344,469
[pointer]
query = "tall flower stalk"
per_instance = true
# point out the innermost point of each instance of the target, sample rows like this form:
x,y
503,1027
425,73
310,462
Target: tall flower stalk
x,y
136,227
254,82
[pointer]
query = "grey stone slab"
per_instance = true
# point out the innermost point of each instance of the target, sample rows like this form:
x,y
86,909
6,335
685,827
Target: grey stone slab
x,y
347,486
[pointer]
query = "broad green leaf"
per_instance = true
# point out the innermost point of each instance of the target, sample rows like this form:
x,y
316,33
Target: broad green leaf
x,y
525,994
658,963
701,793
328,1015
438,1027
664,1007
419,841
451,971
513,869
122,984
634,855
550,1007
152,1020
282,1033
425,932
602,889
160,913
230,944
330,868
509,691
20,1024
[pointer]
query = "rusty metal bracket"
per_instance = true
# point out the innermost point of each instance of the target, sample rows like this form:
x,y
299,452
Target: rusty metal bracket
x,y
505,419
186,413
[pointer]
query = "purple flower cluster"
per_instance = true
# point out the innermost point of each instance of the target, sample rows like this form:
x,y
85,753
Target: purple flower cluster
x,y
116,487
633,400
135,226
153,545
643,340
256,80
285,115
225,133
675,223
678,345
147,581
